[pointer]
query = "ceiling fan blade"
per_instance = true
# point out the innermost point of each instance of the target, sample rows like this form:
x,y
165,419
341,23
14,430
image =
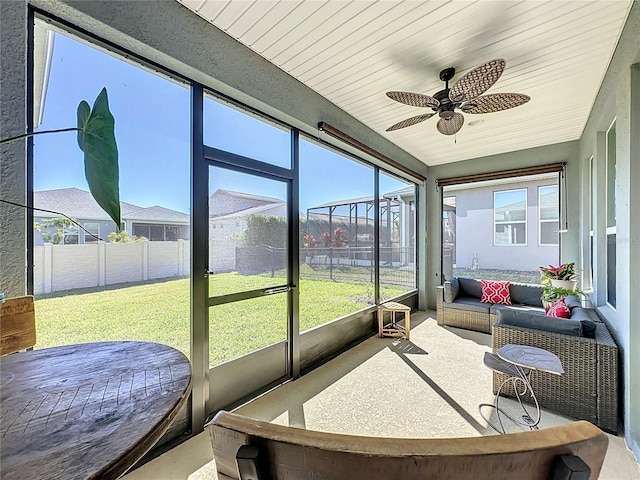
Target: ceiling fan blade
x,y
477,81
495,102
414,99
410,121
450,126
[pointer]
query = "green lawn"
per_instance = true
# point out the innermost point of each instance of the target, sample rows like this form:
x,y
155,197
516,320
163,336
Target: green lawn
x,y
159,312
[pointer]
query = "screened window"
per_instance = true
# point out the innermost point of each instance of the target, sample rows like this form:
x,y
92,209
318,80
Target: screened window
x,y
611,216
92,230
510,217
116,287
549,215
243,133
397,236
337,227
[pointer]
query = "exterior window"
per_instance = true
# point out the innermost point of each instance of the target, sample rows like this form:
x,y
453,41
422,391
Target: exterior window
x,y
92,228
510,217
549,215
70,235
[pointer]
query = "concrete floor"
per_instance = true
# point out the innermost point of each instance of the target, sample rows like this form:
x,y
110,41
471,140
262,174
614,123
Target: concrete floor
x,y
432,384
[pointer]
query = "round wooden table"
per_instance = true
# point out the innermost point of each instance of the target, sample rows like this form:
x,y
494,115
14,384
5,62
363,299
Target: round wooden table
x,y
87,411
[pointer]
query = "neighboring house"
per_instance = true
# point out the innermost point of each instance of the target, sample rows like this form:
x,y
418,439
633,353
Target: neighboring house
x,y
229,212
225,202
154,223
507,224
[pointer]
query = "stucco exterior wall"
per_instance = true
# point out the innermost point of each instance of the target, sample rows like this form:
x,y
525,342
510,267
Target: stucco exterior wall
x,y
475,230
13,121
618,99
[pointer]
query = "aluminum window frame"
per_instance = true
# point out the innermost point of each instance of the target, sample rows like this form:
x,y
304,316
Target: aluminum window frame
x,y
526,219
541,220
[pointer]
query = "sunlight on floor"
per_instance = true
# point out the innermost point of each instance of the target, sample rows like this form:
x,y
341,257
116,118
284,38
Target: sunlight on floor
x,y
430,386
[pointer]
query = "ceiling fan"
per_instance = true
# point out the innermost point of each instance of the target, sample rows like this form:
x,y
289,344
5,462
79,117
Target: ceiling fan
x,y
465,95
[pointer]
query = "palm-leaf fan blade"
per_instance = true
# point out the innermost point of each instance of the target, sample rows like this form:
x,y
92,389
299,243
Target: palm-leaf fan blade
x,y
409,121
450,126
414,99
477,81
495,102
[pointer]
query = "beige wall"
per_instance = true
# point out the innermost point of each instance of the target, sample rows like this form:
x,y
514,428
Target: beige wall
x,y
64,267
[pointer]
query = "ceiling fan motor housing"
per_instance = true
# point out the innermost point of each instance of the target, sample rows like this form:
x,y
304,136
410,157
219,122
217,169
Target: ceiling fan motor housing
x,y
446,107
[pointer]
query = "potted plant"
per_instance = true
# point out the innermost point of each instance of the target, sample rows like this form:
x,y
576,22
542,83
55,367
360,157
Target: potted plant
x,y
563,275
552,294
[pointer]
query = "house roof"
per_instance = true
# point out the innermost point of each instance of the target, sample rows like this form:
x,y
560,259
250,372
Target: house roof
x,y
351,53
262,209
247,196
77,203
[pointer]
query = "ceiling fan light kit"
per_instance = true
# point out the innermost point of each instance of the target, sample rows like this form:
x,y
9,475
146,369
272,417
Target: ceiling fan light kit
x,y
465,95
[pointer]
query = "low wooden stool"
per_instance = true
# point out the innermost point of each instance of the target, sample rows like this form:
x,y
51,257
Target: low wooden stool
x,y
394,329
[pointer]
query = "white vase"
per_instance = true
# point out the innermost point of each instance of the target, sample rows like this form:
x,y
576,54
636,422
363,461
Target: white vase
x,y
547,305
568,284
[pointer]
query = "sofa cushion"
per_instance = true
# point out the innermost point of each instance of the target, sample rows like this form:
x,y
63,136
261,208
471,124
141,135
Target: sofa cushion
x,y
495,292
572,301
588,325
470,304
470,287
559,309
526,294
539,321
525,308
451,289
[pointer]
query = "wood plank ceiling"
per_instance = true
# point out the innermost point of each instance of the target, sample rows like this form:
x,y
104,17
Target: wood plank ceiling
x,y
352,52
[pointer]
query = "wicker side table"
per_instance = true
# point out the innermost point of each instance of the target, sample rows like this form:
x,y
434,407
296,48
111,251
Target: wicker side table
x,y
393,328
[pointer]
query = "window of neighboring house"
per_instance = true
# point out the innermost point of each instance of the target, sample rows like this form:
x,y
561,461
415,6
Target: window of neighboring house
x,y
510,217
549,215
92,230
170,233
611,216
70,235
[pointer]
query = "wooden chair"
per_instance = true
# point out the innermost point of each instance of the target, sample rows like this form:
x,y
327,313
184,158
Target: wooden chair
x,y
17,324
249,449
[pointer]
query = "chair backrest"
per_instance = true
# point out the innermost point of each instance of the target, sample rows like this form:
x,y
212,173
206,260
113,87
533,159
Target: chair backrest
x,y
17,324
288,453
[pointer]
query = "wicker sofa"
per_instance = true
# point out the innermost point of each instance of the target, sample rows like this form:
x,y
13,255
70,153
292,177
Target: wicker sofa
x,y
589,388
458,303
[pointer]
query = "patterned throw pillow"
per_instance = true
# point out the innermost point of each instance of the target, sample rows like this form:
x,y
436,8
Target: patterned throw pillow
x,y
559,310
495,292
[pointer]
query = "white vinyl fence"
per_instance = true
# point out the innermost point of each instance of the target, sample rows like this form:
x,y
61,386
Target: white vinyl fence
x,y
64,267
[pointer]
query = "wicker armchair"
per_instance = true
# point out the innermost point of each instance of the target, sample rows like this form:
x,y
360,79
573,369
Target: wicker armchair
x,y
589,388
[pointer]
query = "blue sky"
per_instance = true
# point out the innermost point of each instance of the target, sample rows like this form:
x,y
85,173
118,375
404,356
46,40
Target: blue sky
x,y
152,131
